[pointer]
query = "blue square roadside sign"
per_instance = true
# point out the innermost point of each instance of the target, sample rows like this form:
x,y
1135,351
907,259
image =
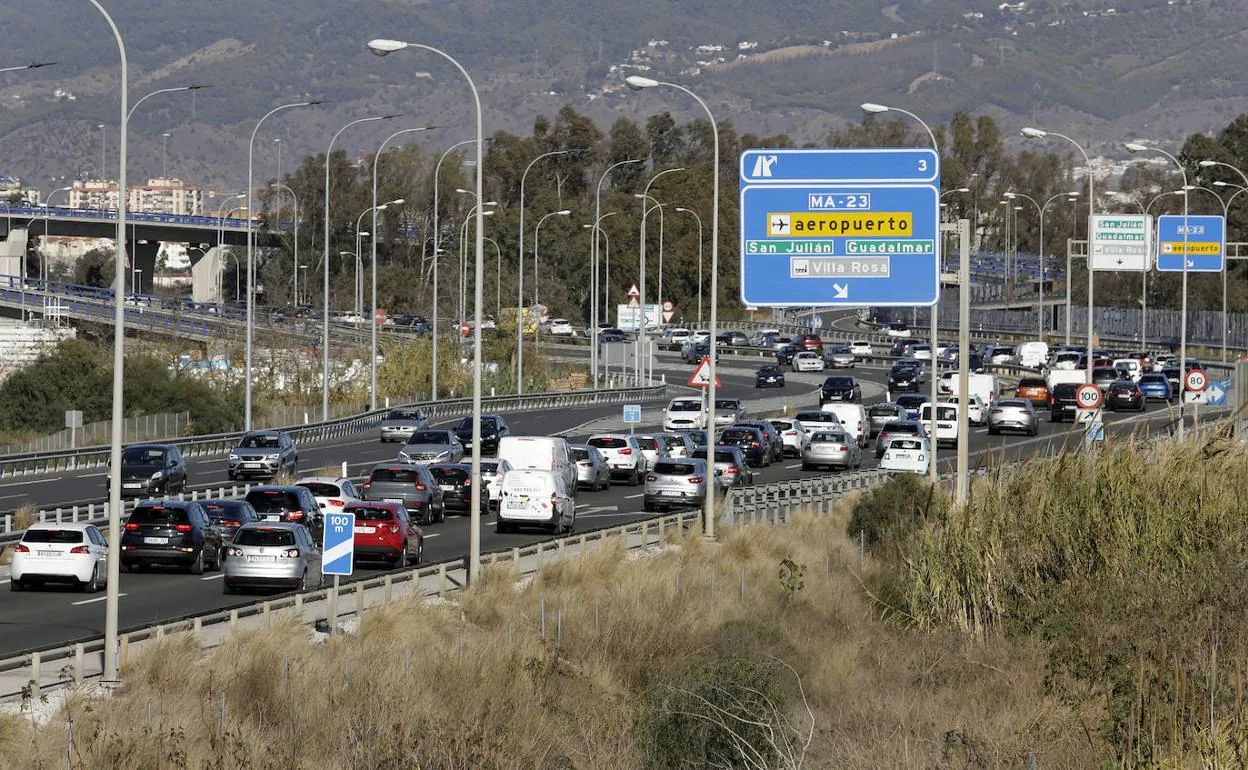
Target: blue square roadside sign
x,y
1205,244
338,544
632,413
828,227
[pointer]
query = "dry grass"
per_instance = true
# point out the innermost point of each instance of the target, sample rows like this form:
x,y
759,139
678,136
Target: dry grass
x,y
478,684
25,516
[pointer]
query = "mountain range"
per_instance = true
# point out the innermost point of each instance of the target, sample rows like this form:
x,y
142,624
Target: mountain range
x,y
1101,70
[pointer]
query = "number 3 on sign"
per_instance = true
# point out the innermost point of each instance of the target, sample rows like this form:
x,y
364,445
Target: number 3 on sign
x,y
923,164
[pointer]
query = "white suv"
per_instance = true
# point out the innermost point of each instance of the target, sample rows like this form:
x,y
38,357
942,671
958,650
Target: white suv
x,y
561,327
685,414
623,454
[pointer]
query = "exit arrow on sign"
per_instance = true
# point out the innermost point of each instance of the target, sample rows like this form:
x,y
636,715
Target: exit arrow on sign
x,y
842,291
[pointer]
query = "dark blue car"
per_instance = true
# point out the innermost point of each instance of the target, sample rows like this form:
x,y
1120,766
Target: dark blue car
x,y
1156,387
769,376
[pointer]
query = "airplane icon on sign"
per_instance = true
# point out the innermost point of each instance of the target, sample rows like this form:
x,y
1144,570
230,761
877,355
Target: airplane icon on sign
x,y
779,224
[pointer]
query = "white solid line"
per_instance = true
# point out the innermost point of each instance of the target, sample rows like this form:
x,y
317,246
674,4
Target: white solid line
x,y
798,465
39,481
217,576
2,582
632,497
92,601
434,534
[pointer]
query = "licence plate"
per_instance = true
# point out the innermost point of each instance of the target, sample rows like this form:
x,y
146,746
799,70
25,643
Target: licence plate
x,y
254,558
448,487
52,554
394,499
669,493
1124,396
131,486
365,530
253,465
273,518
156,540
902,455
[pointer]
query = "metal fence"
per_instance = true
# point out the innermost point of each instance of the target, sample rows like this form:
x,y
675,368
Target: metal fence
x,y
142,427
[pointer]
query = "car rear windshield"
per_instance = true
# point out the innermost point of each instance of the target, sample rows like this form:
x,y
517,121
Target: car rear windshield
x,y
721,455
1153,378
608,442
833,438
52,536
685,406
1122,387
322,489
429,437
727,403
264,537
674,469
646,442
273,500
370,514
817,417
224,509
158,514
905,444
580,454
401,475
1104,371
880,410
449,475
1014,403
736,435
1030,383
782,424
901,427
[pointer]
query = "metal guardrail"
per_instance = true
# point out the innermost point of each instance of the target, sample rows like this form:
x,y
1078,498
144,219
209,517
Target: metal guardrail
x,y
771,502
58,666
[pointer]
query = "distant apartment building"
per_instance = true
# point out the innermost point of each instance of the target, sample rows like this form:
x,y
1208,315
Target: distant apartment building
x,y
158,196
12,192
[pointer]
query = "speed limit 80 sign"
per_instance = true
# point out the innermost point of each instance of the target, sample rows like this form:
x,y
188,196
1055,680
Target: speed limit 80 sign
x,y
1088,396
1196,380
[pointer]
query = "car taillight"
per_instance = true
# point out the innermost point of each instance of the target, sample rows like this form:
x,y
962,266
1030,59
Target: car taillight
x,y
183,527
232,523
21,549
887,455
626,451
421,487
754,443
696,480
131,526
338,503
737,468
467,482
295,515
80,549
367,486
291,553
652,477
842,449
234,552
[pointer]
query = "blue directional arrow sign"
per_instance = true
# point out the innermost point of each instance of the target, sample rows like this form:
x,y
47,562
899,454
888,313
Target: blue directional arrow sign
x,y
1205,243
338,544
832,227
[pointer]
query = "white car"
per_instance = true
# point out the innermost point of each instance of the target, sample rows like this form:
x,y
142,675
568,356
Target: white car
x,y
687,413
921,352
976,411
1067,360
653,447
699,335
792,434
897,329
677,444
906,454
561,327
332,494
808,361
623,455
947,384
677,337
535,498
861,348
492,474
75,553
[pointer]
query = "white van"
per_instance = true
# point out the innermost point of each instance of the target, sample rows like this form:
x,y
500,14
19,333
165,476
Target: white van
x,y
1032,354
853,418
986,386
946,422
1067,359
1060,376
688,413
535,498
545,453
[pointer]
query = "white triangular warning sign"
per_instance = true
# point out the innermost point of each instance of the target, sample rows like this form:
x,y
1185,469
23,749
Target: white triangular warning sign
x,y
667,315
632,302
633,291
702,375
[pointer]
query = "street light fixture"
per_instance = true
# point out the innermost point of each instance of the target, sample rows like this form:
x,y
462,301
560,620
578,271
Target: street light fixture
x,y
536,230
636,82
694,214
593,272
295,198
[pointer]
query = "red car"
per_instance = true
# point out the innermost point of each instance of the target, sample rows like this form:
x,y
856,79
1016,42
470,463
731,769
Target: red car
x,y
384,531
809,342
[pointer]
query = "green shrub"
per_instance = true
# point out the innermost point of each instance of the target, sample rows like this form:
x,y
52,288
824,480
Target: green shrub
x,y
886,515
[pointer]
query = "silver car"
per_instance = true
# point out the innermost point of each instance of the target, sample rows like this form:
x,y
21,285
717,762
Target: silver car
x,y
728,411
880,415
840,357
730,463
432,446
677,444
1013,414
831,449
653,447
263,454
271,555
400,424
679,483
591,467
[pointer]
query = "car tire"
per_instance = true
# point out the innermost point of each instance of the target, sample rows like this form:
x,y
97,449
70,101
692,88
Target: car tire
x,y
400,561
16,585
420,555
303,582
500,528
197,566
442,514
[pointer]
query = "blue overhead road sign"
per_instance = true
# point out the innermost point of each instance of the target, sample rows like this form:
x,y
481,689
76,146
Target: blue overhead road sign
x,y
1205,245
835,227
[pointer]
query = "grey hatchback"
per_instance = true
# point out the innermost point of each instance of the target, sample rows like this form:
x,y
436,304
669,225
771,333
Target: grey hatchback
x,y
407,483
399,424
263,453
677,483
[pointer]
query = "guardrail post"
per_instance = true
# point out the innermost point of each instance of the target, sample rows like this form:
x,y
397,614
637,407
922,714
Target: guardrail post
x,y
359,601
8,522
515,558
58,515
74,514
562,543
233,619
197,625
645,533
267,608
388,593
78,656
584,542
441,580
36,666
298,601
661,528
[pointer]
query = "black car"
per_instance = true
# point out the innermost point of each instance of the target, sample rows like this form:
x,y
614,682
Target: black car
x,y
228,515
455,481
287,503
170,532
611,335
1062,403
769,376
151,470
1124,394
772,433
784,356
752,442
840,388
493,428
905,378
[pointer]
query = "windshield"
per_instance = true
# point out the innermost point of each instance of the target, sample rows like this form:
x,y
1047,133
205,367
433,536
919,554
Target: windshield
x,y
370,514
143,456
580,454
261,537
832,438
674,469
404,414
260,442
430,437
608,442
685,406
905,443
487,424
52,536
273,500
322,489
405,475
882,410
646,442
158,514
727,403
838,382
448,475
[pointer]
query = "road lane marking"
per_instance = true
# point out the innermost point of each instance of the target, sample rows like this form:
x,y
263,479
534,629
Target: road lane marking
x,y
795,465
93,601
633,497
434,534
212,577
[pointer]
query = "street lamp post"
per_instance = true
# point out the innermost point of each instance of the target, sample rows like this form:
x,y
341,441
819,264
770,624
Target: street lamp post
x,y
381,48
329,152
103,147
47,203
644,323
251,243
1227,269
520,273
111,672
684,210
593,272
650,203
1035,133
964,287
372,343
498,279
536,230
1138,147
637,82
164,155
1226,214
295,198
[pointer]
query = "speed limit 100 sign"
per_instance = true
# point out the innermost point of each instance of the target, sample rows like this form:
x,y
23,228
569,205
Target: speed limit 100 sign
x,y
1088,396
1196,380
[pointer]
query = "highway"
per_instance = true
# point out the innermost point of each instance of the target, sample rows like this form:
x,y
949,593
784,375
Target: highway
x,y
52,617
